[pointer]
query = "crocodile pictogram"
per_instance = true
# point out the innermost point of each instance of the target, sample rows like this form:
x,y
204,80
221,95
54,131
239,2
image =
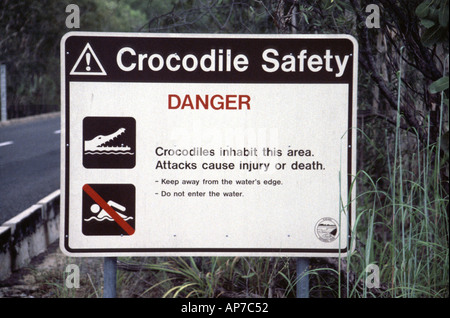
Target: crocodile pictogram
x,y
96,144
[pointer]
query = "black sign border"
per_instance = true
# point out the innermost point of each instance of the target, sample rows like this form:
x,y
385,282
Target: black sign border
x,y
65,82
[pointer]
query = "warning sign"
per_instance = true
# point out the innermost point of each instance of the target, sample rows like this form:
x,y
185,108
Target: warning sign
x,y
208,145
88,63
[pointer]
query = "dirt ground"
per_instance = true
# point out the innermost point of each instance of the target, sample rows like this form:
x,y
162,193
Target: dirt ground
x,y
45,276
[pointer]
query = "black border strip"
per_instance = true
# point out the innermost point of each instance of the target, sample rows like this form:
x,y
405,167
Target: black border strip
x,y
108,251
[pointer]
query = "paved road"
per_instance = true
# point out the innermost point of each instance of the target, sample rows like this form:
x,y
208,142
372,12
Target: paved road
x,y
29,163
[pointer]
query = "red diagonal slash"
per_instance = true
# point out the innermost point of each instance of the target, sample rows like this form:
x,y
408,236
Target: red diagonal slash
x,y
105,206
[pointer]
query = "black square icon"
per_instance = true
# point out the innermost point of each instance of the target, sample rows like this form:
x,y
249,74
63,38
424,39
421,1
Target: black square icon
x,y
108,209
109,142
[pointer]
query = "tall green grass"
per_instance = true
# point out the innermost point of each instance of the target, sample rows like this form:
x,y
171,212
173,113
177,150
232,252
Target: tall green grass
x,y
404,230
403,220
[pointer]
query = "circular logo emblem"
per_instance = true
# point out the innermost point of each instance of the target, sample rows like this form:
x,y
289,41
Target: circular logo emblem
x,y
327,229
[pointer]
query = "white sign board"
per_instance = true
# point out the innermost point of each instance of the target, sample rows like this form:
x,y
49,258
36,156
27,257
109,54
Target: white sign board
x,y
207,144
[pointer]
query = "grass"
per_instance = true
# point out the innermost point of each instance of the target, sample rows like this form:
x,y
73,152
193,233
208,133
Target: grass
x,y
404,230
212,277
403,219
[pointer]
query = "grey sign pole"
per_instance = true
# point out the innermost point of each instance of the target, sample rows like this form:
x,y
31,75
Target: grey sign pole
x,y
302,267
109,277
3,115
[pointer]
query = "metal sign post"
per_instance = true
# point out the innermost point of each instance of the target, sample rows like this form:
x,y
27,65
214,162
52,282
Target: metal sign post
x,y
109,277
302,280
4,113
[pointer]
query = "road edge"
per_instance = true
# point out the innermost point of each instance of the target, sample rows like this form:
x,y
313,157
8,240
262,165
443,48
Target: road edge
x,y
28,234
14,121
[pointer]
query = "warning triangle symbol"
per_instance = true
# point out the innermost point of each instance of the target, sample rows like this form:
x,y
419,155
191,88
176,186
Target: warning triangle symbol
x,y
88,63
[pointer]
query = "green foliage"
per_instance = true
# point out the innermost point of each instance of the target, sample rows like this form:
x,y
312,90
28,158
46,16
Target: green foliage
x,y
196,16
29,44
28,49
439,85
190,277
111,15
433,16
404,230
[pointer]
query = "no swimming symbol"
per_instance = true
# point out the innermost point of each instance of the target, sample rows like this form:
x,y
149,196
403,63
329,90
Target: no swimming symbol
x,y
100,202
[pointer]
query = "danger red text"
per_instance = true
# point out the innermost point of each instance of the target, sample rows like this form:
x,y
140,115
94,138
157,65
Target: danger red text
x,y
215,102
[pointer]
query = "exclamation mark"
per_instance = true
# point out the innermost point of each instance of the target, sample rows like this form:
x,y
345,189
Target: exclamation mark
x,y
88,61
